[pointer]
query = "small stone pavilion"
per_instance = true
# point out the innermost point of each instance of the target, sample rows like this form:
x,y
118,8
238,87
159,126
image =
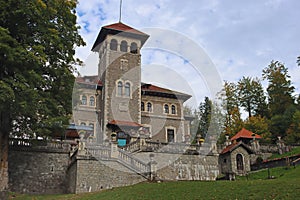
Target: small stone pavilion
x,y
235,158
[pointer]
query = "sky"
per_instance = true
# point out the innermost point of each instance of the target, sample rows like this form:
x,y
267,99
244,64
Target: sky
x,y
195,45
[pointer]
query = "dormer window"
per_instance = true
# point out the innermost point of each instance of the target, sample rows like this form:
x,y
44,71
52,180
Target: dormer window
x,y
113,45
123,46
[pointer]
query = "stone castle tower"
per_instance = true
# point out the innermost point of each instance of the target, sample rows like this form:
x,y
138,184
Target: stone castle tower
x,y
119,70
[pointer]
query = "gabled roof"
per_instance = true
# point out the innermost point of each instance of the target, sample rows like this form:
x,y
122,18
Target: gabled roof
x,y
124,123
153,90
119,28
234,146
244,133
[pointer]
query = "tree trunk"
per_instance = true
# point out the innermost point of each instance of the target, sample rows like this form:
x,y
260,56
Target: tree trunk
x,y
4,132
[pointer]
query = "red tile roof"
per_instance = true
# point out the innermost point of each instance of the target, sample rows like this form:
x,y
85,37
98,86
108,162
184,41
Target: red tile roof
x,y
124,28
244,133
125,123
233,146
118,28
151,89
90,80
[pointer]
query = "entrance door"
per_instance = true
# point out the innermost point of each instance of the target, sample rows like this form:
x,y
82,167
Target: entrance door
x,y
122,138
170,135
239,162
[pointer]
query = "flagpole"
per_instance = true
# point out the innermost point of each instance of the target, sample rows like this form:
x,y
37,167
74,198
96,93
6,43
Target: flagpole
x,y
120,11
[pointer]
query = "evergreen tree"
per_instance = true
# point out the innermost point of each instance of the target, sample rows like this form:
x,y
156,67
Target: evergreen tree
x,y
205,117
281,102
252,97
280,91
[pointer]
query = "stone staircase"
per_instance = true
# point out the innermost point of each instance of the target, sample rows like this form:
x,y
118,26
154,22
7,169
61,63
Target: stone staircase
x,y
118,159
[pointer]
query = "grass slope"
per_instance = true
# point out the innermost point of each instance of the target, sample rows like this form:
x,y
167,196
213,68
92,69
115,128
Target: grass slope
x,y
294,151
284,186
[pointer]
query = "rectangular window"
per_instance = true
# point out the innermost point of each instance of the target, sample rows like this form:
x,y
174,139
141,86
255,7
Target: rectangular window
x,y
170,135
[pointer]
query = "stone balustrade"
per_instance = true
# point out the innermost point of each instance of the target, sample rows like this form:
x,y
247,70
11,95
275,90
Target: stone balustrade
x,y
39,144
133,162
171,147
132,147
104,152
101,152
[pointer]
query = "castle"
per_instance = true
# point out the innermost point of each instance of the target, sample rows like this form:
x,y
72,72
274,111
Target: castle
x,y
127,132
125,106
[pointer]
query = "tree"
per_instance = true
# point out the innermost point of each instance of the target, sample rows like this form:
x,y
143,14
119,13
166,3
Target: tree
x,y
37,40
251,96
205,109
259,125
280,90
232,120
293,132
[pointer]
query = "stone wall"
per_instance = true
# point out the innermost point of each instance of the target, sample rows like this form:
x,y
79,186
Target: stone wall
x,y
159,122
171,166
37,171
95,175
279,162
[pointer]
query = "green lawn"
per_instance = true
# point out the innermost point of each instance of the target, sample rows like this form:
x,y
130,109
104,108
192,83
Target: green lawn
x,y
294,151
285,185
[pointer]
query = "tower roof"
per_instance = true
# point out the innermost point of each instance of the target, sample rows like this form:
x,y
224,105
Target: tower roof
x,y
119,28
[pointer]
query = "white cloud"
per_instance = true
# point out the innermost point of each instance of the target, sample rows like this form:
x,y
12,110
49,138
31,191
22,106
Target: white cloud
x,y
240,37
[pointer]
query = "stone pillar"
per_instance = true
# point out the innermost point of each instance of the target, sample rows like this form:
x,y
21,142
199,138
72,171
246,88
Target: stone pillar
x,y
142,140
114,149
81,145
227,140
152,165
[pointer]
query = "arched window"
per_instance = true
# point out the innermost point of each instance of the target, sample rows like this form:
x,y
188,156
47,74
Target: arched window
x,y
127,89
149,107
166,108
83,124
239,162
92,101
123,46
173,109
91,125
133,48
120,88
83,100
142,106
113,45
